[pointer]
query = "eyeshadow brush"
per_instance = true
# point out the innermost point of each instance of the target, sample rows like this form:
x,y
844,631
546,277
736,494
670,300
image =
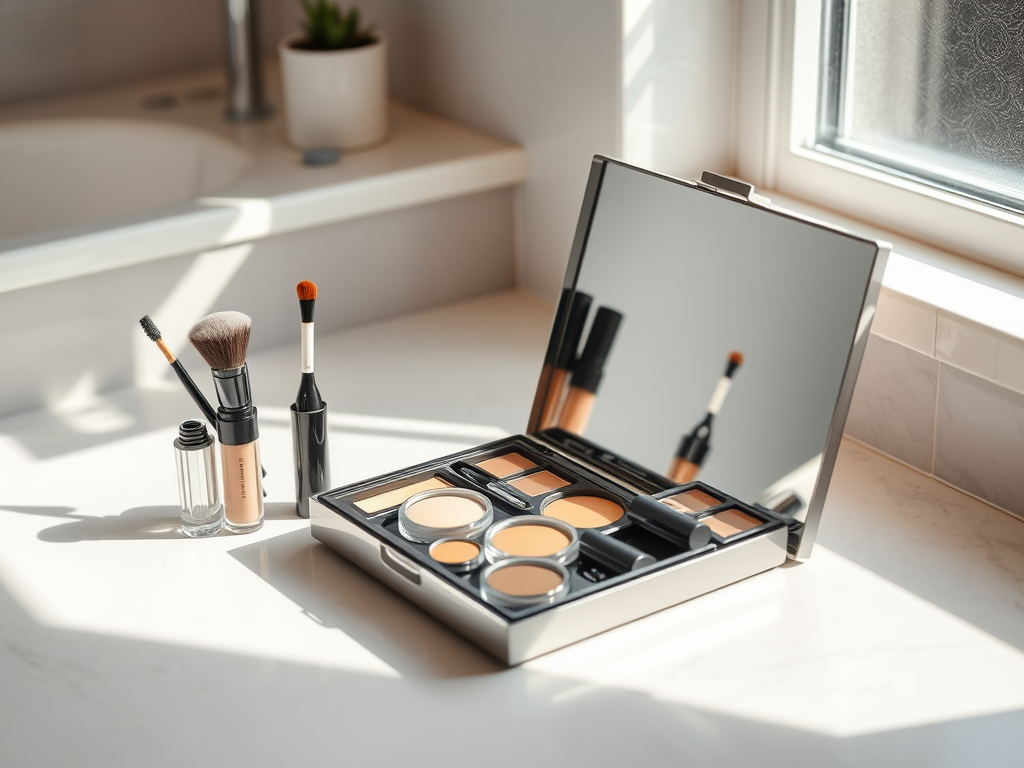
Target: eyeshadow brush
x,y
696,445
308,399
309,414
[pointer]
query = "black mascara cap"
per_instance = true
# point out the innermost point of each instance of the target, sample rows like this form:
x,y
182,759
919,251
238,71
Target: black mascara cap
x,y
590,367
574,330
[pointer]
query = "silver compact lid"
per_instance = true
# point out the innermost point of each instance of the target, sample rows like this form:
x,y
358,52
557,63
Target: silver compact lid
x,y
672,285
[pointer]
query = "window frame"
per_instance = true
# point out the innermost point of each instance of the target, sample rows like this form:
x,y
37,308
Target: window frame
x,y
776,109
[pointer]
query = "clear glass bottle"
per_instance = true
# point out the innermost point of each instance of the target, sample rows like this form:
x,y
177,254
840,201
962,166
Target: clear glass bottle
x,y
202,511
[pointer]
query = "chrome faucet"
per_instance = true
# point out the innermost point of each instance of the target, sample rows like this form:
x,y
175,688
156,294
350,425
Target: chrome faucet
x,y
245,77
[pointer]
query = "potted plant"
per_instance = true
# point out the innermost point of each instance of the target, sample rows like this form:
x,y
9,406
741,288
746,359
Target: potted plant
x,y
335,80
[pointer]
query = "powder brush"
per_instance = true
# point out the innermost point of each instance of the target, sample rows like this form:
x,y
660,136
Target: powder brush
x,y
223,340
308,399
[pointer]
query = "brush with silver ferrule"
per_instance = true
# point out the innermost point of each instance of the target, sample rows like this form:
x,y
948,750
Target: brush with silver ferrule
x,y
696,445
223,340
309,414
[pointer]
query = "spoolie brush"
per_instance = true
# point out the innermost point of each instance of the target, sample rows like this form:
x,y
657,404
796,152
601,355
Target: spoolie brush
x,y
308,399
696,445
223,340
190,386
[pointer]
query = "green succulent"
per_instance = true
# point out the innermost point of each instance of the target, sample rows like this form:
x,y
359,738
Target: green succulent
x,y
329,28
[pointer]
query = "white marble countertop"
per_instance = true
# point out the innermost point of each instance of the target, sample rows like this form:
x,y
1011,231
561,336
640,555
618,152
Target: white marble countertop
x,y
900,643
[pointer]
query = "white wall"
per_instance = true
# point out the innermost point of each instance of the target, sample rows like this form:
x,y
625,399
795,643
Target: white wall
x,y
541,73
678,78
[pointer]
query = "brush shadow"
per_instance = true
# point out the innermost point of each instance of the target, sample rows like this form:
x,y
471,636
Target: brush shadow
x,y
339,595
136,524
41,511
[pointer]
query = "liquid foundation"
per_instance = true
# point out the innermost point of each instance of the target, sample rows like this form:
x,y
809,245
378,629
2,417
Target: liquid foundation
x,y
240,451
565,362
589,369
579,404
683,471
243,489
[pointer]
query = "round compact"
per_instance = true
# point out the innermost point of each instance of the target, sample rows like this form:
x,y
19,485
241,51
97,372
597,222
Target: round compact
x,y
459,555
584,511
521,582
531,536
444,513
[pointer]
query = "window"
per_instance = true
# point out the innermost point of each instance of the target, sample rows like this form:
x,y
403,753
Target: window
x,y
929,89
908,115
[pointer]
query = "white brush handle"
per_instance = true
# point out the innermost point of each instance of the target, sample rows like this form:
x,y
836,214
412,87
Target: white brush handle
x,y
307,347
719,395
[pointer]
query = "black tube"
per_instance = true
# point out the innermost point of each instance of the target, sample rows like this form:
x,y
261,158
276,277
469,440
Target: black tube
x,y
679,527
312,457
611,554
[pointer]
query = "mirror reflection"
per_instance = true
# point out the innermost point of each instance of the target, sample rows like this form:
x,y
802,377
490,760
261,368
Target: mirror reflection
x,y
707,339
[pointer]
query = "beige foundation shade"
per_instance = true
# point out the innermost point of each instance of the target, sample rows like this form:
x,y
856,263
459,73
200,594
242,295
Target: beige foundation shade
x,y
731,522
508,464
584,511
539,483
524,580
396,496
692,501
530,540
455,552
444,511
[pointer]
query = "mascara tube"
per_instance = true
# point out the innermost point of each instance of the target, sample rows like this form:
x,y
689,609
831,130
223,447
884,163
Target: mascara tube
x,y
240,451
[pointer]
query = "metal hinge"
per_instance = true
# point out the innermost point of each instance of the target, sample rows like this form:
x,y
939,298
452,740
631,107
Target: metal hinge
x,y
730,186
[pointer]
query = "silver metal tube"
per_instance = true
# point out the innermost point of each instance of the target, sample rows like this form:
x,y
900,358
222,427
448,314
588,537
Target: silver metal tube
x,y
245,78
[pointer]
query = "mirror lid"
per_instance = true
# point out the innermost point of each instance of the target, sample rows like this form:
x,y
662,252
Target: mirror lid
x,y
639,239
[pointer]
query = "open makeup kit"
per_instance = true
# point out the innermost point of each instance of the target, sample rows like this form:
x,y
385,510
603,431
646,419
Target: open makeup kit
x,y
536,541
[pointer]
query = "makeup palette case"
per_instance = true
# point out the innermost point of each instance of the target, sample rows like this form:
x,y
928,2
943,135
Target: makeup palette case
x,y
683,434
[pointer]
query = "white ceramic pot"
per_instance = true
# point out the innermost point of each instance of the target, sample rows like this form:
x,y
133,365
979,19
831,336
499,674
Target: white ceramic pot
x,y
335,98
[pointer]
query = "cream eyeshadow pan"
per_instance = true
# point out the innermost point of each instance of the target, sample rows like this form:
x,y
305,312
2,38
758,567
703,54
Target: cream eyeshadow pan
x,y
444,511
584,511
538,483
692,501
530,541
730,522
396,496
505,465
523,579
455,551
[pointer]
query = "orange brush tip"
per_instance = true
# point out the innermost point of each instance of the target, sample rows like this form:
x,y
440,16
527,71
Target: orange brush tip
x,y
306,290
736,357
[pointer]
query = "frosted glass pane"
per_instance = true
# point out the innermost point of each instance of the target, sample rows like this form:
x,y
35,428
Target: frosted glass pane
x,y
933,88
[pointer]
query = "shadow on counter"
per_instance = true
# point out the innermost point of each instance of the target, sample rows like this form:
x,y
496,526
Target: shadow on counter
x,y
337,594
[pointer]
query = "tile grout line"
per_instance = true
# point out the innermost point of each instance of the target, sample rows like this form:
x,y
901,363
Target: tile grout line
x,y
932,475
935,415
